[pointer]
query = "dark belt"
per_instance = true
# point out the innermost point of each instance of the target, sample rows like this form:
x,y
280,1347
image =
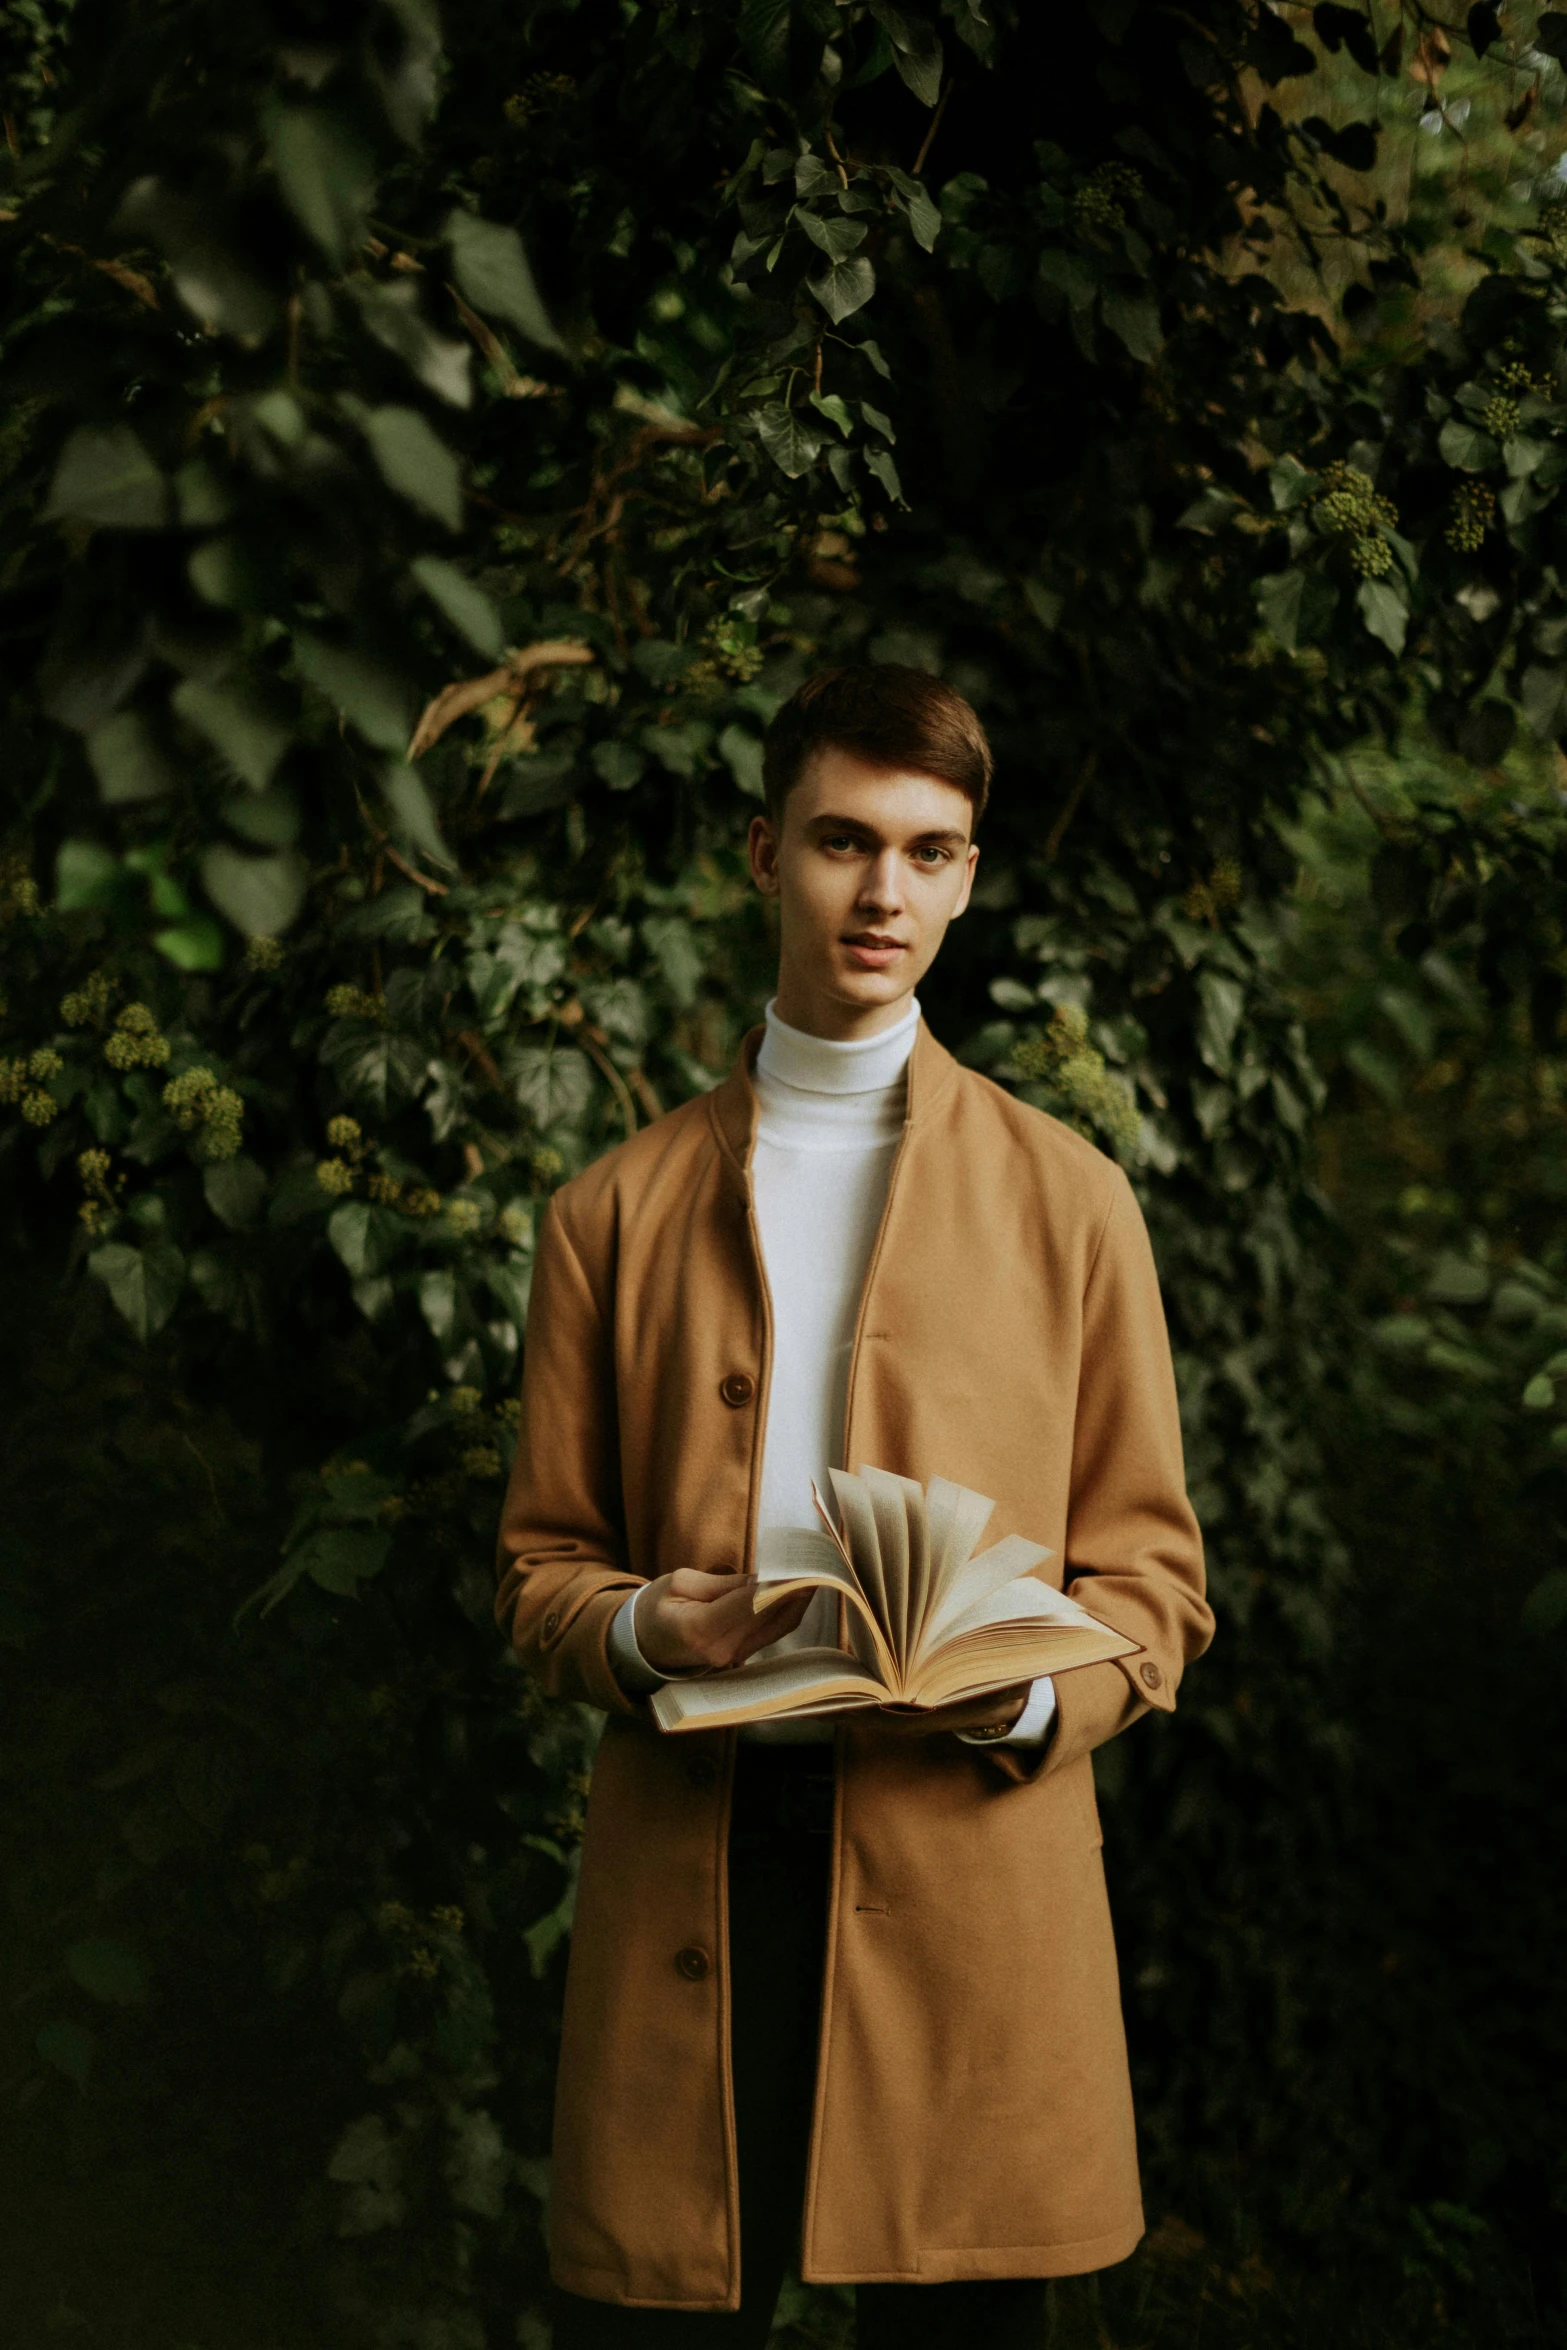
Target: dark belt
x,y
783,1790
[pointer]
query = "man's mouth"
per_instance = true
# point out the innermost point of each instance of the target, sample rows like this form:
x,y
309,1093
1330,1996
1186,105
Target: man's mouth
x,y
873,950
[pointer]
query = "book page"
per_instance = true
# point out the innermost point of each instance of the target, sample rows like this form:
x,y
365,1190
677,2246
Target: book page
x,y
1003,1565
1006,1654
862,1541
955,1519
796,1558
805,1681
897,1504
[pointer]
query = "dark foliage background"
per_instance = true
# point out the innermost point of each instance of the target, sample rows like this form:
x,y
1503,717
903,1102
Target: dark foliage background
x,y
430,455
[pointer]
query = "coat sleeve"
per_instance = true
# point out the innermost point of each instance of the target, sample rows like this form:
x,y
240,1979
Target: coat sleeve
x,y
1133,1549
561,1555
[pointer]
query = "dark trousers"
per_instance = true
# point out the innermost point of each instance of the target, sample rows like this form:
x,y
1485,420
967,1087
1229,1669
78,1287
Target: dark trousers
x,y
779,1857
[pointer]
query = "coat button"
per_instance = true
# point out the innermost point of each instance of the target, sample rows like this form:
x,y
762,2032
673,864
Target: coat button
x,y
737,1389
1151,1675
551,1625
693,1964
701,1771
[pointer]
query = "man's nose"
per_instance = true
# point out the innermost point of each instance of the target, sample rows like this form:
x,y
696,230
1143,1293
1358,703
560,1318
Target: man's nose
x,y
881,890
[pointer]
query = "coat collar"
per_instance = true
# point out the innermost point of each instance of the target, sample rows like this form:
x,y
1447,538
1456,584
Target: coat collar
x,y
732,1104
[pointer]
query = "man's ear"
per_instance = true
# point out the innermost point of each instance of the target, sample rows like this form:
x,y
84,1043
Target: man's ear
x,y
968,882
762,851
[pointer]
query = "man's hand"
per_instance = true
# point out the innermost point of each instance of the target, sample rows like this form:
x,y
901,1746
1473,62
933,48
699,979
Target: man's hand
x,y
690,1622
998,1709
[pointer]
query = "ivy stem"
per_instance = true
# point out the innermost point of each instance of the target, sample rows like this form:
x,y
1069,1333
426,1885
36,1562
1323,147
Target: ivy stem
x,y
935,125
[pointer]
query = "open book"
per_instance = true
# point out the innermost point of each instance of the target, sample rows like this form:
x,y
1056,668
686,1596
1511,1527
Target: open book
x,y
929,1623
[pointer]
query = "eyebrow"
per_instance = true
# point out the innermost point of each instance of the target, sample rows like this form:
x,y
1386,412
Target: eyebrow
x,y
825,824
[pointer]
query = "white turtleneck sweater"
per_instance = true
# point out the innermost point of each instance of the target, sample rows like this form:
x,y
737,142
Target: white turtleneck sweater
x,y
830,1118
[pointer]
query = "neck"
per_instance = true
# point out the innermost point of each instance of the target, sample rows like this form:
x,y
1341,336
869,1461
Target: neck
x,y
811,1013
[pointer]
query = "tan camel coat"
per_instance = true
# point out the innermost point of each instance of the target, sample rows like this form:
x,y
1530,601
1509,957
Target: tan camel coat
x,y
973,2112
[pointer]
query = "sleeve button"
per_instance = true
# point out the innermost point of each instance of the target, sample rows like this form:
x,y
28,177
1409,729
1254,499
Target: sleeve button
x,y
1151,1676
694,1964
737,1389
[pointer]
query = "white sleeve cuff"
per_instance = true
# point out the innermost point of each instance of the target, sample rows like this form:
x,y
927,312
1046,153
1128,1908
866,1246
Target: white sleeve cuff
x,y
1032,1726
629,1666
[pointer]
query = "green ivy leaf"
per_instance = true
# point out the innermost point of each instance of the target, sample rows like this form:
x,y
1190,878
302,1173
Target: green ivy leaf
x,y
835,410
144,1283
326,174
412,812
1466,447
235,1189
340,1558
924,213
105,476
466,606
249,734
492,270
125,757
415,462
553,1083
377,1071
844,288
790,443
1135,319
879,462
393,316
366,1238
742,753
835,236
1384,612
372,698
1295,605
621,765
107,1970
261,896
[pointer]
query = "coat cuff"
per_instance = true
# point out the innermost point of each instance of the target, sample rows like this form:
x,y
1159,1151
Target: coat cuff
x,y
630,1667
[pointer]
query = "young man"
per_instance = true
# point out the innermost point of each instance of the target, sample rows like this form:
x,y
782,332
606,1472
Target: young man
x,y
845,1994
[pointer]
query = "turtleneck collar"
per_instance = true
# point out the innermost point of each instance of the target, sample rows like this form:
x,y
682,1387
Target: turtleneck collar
x,y
821,1064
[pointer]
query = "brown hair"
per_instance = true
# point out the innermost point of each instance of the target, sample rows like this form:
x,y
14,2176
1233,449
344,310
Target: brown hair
x,y
883,713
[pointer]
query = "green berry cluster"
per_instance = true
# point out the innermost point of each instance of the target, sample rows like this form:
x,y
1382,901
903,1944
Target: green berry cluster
x,y
1371,557
1085,1091
1100,203
1553,227
1499,417
213,1113
99,1209
464,1217
87,1004
1348,506
263,954
1207,900
18,890
1474,509
1515,378
354,1003
25,1081
136,1041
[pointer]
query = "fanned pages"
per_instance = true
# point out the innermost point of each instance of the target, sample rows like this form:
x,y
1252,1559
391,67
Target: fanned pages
x,y
928,1621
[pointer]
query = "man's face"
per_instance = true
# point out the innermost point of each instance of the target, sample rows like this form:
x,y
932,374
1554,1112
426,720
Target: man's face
x,y
868,865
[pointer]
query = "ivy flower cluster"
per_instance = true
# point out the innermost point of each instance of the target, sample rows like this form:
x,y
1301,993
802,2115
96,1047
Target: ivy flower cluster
x,y
1474,510
25,1082
1101,202
1499,417
99,1209
1207,900
355,1003
87,1004
18,890
1348,506
213,1113
136,1041
1085,1090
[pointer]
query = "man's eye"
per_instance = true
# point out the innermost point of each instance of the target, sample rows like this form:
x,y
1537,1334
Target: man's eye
x,y
935,856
